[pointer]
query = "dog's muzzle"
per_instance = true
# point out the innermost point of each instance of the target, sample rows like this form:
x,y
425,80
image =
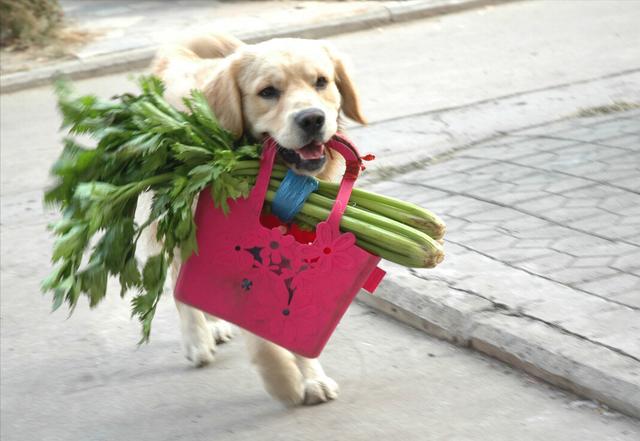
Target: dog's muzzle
x,y
310,157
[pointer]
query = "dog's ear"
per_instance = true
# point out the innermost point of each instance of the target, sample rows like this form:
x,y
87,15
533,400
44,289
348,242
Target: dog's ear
x,y
223,95
348,91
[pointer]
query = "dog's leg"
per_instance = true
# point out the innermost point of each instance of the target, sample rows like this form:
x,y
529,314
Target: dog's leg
x,y
197,340
290,378
318,387
280,374
222,331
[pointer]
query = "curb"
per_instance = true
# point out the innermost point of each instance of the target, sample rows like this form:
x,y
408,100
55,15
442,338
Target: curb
x,y
540,350
140,58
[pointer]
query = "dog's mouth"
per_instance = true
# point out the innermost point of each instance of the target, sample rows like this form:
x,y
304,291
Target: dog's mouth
x,y
310,157
312,151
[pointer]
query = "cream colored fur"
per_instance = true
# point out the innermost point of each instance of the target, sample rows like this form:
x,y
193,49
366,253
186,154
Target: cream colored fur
x,y
231,74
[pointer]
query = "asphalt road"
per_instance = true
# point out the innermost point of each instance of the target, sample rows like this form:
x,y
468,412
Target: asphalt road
x,y
85,379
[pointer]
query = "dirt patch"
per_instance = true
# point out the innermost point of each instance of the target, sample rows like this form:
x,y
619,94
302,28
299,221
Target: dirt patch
x,y
58,47
607,109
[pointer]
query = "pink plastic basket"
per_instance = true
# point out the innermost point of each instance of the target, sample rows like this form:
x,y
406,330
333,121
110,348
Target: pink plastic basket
x,y
290,293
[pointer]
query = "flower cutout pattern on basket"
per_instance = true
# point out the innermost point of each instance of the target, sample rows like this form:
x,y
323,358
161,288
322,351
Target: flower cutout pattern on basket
x,y
282,274
290,320
330,249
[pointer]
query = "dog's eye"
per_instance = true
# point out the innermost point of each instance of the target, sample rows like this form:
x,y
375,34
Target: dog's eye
x,y
321,83
269,92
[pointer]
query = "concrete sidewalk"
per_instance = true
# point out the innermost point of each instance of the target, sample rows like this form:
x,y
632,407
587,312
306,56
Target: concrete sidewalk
x,y
127,35
543,243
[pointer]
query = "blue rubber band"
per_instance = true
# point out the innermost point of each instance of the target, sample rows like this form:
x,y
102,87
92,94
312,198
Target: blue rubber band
x,y
292,194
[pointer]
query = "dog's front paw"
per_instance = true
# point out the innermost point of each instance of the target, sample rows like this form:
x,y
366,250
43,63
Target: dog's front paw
x,y
221,331
199,354
320,390
199,348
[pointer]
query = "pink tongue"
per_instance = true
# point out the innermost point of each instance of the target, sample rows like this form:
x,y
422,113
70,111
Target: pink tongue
x,y
311,151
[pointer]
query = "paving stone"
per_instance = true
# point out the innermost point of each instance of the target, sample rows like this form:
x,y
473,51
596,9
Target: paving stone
x,y
425,175
478,226
627,262
552,128
541,160
579,203
593,262
524,223
596,191
593,133
515,255
609,129
440,206
416,194
543,265
535,243
631,211
573,275
620,283
468,164
614,327
625,180
455,224
498,194
586,153
545,233
468,207
543,204
576,244
559,184
540,143
620,201
631,183
629,126
586,169
607,249
530,178
573,215
631,298
628,233
457,182
488,244
500,152
626,161
497,214
631,142
596,223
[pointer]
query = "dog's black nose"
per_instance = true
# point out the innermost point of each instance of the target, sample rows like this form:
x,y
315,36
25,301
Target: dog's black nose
x,y
310,120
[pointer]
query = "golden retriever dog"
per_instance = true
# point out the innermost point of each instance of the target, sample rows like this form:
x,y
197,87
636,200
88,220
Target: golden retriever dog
x,y
295,91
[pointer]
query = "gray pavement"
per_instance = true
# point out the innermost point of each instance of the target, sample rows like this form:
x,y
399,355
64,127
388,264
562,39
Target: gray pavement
x,y
524,211
84,379
543,245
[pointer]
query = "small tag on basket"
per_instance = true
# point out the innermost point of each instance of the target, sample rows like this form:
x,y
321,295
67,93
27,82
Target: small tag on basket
x,y
374,279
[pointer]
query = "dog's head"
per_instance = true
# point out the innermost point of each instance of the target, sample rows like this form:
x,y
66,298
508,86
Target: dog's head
x,y
290,89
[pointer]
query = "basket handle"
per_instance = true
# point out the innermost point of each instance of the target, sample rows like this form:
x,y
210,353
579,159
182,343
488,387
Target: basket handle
x,y
340,144
353,163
